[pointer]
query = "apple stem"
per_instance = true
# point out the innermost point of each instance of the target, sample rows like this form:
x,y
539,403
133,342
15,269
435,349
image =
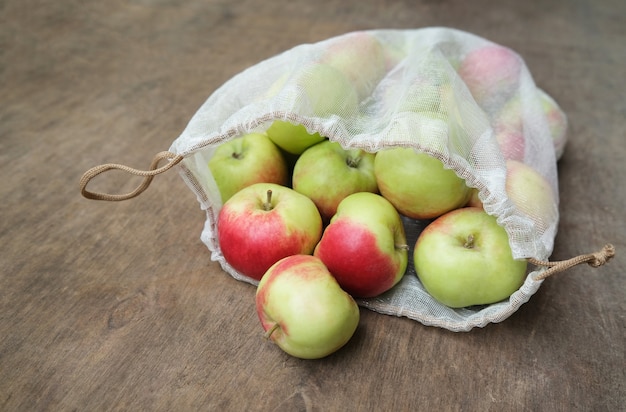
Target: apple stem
x,y
267,206
352,162
271,330
469,243
402,247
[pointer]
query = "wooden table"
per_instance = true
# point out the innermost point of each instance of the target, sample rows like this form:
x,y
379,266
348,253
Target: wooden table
x,y
118,306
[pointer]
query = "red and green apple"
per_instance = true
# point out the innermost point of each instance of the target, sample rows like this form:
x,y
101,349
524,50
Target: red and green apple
x,y
303,309
264,223
364,246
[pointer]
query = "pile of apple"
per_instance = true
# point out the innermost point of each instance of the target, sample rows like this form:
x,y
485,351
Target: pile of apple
x,y
318,225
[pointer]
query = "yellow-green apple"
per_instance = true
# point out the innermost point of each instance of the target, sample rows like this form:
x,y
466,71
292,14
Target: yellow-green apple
x,y
531,194
557,122
264,223
327,173
417,184
291,137
424,94
320,90
360,56
424,91
491,73
364,246
463,258
303,309
245,160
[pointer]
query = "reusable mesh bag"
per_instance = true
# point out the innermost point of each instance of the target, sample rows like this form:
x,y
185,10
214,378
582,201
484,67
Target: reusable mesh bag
x,y
460,98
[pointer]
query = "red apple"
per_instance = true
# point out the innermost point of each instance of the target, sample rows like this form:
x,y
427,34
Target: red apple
x,y
491,74
364,246
264,223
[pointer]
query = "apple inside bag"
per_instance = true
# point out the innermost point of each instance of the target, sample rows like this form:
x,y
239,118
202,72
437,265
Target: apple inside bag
x,y
433,120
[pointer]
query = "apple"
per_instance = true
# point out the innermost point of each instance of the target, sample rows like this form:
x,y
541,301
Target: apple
x,y
423,94
417,184
303,309
246,160
264,223
463,258
327,173
364,245
360,56
416,89
531,194
491,73
509,130
291,137
557,122
319,90
474,200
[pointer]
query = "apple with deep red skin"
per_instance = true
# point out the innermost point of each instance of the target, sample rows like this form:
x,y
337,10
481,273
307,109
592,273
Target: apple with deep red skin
x,y
264,223
364,246
327,173
491,74
303,309
246,160
417,184
463,258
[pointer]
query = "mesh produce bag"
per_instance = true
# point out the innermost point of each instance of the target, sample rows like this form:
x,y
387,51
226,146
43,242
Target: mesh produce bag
x,y
455,96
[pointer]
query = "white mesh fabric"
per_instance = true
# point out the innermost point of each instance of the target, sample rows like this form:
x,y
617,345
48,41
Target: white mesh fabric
x,y
411,92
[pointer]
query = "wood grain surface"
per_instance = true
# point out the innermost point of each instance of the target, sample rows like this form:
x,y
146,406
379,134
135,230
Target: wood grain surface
x,y
118,306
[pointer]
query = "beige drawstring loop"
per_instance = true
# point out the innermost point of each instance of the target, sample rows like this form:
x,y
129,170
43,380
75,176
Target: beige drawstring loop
x,y
595,260
154,170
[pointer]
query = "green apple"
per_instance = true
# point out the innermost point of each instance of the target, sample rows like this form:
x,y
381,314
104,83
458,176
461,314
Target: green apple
x,y
323,90
263,223
364,246
531,194
463,258
293,138
303,309
246,160
417,184
420,95
327,173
